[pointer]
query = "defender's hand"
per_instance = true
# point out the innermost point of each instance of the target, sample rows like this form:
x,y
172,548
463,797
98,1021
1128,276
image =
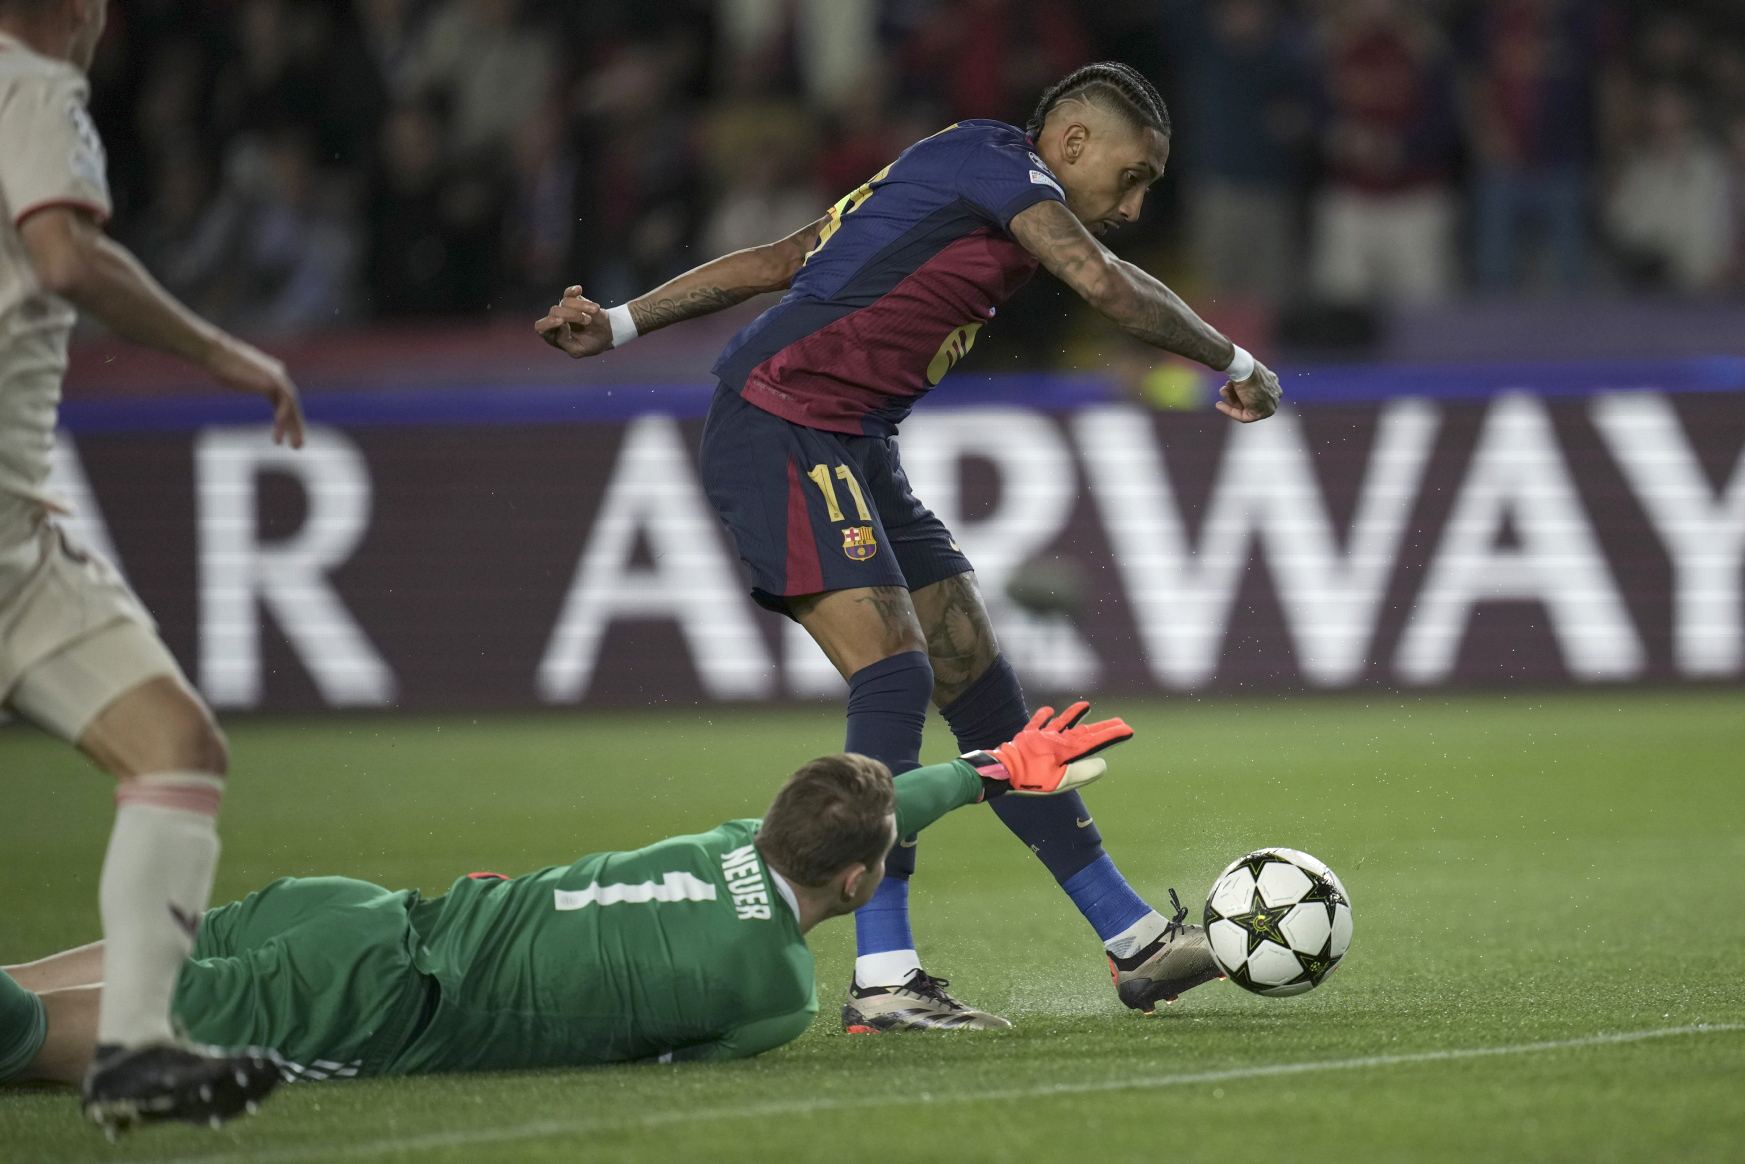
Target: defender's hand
x,y
1255,398
245,368
577,325
1051,756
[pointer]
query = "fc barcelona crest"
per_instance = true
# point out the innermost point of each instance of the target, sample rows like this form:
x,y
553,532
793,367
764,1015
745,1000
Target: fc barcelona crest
x,y
858,543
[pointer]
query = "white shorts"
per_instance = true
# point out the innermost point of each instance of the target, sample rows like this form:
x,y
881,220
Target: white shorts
x,y
73,637
1384,248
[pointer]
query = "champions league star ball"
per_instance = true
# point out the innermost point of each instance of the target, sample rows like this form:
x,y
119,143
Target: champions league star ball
x,y
1278,921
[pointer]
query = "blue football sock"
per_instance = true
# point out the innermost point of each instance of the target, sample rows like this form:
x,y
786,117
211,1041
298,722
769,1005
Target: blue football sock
x,y
887,710
23,1027
989,711
1058,829
1105,898
887,713
881,935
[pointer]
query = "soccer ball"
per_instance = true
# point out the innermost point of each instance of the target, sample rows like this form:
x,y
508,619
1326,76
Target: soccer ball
x,y
1278,921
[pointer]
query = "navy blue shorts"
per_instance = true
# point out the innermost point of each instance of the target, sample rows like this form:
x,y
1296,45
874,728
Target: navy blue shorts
x,y
811,510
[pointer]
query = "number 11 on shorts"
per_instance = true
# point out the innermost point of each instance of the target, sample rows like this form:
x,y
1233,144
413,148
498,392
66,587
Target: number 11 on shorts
x,y
820,475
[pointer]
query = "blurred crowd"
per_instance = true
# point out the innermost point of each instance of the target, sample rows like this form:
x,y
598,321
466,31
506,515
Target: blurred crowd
x,y
288,165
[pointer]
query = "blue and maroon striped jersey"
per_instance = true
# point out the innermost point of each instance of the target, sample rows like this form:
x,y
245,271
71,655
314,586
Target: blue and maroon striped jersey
x,y
906,271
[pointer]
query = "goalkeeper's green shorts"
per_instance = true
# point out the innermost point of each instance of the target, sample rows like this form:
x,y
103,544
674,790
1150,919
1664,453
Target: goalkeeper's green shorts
x,y
318,969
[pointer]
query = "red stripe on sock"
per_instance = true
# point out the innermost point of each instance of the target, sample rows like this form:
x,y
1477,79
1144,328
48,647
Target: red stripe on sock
x,y
200,798
804,574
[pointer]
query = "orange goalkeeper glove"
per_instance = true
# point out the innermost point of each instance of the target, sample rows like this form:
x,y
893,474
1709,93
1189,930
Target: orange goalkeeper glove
x,y
1050,756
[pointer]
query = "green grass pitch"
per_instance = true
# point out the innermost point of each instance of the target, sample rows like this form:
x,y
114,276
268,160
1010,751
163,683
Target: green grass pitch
x,y
1549,960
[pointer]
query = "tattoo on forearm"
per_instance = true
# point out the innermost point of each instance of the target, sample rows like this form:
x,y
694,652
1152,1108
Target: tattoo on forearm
x,y
1166,322
1145,308
725,281
650,313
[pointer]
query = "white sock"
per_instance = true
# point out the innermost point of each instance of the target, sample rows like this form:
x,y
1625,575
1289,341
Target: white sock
x,y
886,968
1137,936
157,880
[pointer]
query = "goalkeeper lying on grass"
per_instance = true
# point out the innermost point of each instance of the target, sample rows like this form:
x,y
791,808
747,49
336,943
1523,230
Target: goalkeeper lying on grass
x,y
690,949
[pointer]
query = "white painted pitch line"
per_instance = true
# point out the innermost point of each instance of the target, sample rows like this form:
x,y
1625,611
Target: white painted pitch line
x,y
548,1128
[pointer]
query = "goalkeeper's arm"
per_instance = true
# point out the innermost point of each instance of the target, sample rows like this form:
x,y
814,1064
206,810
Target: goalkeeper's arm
x,y
1049,756
742,1042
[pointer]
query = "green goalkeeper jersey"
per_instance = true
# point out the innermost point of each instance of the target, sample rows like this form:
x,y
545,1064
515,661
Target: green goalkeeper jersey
x,y
684,950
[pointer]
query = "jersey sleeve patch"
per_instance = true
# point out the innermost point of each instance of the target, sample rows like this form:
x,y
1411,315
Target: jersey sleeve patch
x,y
85,158
1037,177
50,154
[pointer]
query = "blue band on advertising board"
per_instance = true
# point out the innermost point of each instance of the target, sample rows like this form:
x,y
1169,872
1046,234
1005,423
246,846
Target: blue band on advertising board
x,y
1044,391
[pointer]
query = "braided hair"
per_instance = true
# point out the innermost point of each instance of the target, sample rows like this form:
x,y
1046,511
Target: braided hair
x,y
1110,84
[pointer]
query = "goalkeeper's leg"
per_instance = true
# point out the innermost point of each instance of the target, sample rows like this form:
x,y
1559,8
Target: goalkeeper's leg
x,y
48,1015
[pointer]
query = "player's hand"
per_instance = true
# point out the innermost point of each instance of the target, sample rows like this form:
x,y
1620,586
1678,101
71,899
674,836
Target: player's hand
x,y
1255,398
1052,755
577,325
245,368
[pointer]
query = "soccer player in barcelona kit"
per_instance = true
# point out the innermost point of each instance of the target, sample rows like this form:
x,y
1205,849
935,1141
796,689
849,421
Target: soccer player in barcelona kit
x,y
79,655
800,460
693,948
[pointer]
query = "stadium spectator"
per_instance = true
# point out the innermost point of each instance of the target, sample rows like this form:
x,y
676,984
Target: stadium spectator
x,y
271,249
1245,116
540,226
300,64
187,234
1670,48
761,157
297,252
1670,210
1724,73
640,181
1531,93
833,44
620,102
1384,224
861,140
169,112
489,65
390,29
1736,156
433,227
990,58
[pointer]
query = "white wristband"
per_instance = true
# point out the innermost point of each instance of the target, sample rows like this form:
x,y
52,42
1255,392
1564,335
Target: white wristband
x,y
1241,366
624,328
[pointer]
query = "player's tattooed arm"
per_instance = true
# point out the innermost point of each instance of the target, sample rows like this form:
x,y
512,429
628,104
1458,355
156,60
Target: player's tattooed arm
x,y
1139,303
656,310
579,326
725,281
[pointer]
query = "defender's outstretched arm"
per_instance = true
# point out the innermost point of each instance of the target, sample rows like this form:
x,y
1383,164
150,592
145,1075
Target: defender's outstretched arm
x,y
580,326
74,259
1141,305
